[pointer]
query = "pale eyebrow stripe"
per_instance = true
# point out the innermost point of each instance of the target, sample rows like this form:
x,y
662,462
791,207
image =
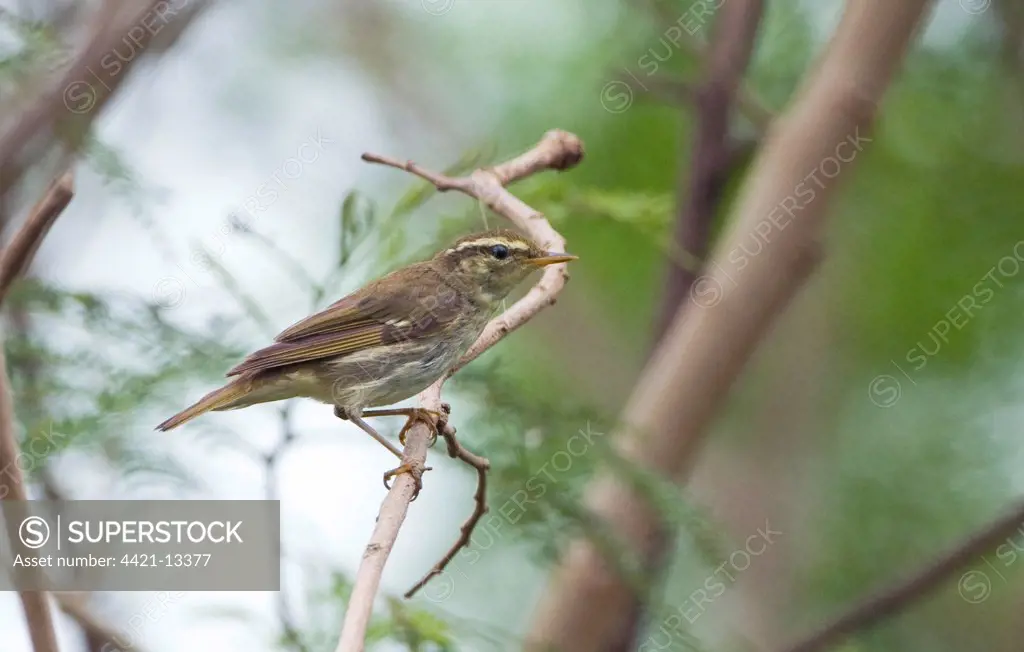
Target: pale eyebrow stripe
x,y
486,242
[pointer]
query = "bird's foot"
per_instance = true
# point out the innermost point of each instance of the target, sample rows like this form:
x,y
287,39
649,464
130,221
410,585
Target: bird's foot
x,y
415,471
429,417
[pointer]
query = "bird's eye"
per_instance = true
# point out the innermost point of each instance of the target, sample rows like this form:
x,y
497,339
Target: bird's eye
x,y
499,251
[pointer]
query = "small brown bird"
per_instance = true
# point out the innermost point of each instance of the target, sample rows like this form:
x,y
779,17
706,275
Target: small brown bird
x,y
387,341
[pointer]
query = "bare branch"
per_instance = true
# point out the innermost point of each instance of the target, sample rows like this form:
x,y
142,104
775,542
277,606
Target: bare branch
x,y
442,182
674,89
700,188
731,310
456,450
33,603
385,532
557,150
699,197
15,258
75,98
22,248
890,601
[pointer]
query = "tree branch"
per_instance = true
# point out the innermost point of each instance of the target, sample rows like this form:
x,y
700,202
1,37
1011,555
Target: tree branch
x,y
557,150
15,259
675,90
700,188
16,256
75,98
731,309
890,601
456,450
699,200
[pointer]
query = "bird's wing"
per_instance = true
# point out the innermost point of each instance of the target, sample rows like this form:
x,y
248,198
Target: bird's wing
x,y
366,318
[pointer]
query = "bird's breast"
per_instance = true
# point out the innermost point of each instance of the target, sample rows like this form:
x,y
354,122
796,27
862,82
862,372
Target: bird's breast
x,y
388,374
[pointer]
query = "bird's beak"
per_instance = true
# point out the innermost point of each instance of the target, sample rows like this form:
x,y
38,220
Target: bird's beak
x,y
551,258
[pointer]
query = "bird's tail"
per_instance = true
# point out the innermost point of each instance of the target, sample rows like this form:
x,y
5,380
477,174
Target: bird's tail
x,y
218,399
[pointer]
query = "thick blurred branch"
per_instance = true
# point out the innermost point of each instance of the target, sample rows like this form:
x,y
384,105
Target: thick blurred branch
x,y
19,252
71,102
558,150
700,190
687,380
1011,22
14,260
891,601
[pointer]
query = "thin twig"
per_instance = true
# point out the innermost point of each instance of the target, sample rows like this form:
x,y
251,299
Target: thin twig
x,y
557,150
482,465
15,259
442,182
892,600
289,628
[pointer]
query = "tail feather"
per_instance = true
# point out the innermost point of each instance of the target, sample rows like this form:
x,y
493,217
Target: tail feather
x,y
215,400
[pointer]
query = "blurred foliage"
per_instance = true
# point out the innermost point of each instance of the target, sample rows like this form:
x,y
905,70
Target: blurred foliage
x,y
415,629
81,373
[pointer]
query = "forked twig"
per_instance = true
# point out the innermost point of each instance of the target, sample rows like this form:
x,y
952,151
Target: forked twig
x,y
482,465
557,150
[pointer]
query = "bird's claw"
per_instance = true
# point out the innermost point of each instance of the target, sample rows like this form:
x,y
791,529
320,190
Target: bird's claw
x,y
415,471
429,417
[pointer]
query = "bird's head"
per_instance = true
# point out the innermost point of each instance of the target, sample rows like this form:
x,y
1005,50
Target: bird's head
x,y
493,263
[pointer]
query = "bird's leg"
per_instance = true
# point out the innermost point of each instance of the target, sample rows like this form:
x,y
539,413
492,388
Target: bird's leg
x,y
368,429
417,475
430,417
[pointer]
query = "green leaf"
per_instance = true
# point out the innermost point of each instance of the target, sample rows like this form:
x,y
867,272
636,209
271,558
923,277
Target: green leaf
x,y
430,627
358,214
